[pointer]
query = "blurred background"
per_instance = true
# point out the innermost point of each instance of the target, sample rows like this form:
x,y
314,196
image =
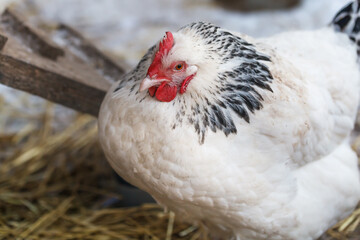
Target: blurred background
x,y
54,181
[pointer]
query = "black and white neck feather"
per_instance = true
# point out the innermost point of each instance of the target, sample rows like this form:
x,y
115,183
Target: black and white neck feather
x,y
231,72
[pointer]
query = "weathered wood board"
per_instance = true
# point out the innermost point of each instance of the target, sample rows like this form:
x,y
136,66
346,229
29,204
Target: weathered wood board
x,y
73,73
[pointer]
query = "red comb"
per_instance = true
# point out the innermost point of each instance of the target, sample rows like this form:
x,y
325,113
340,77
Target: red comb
x,y
164,47
166,44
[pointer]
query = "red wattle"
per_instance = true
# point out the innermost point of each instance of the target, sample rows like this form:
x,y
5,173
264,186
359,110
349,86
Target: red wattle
x,y
152,91
165,92
185,83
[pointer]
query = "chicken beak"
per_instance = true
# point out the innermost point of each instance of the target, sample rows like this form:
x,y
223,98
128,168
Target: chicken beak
x,y
148,83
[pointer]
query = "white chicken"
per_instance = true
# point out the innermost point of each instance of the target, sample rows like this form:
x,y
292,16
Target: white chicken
x,y
248,136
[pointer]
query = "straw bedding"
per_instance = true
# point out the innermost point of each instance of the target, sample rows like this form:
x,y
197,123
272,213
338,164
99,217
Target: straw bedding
x,y
56,184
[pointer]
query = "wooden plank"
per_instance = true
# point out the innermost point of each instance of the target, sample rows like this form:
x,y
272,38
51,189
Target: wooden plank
x,y
14,24
50,85
76,75
3,41
69,65
93,56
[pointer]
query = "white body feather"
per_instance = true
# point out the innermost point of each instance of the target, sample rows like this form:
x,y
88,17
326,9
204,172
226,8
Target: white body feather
x,y
288,174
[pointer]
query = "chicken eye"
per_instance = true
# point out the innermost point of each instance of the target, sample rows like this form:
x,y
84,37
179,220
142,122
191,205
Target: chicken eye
x,y
179,66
